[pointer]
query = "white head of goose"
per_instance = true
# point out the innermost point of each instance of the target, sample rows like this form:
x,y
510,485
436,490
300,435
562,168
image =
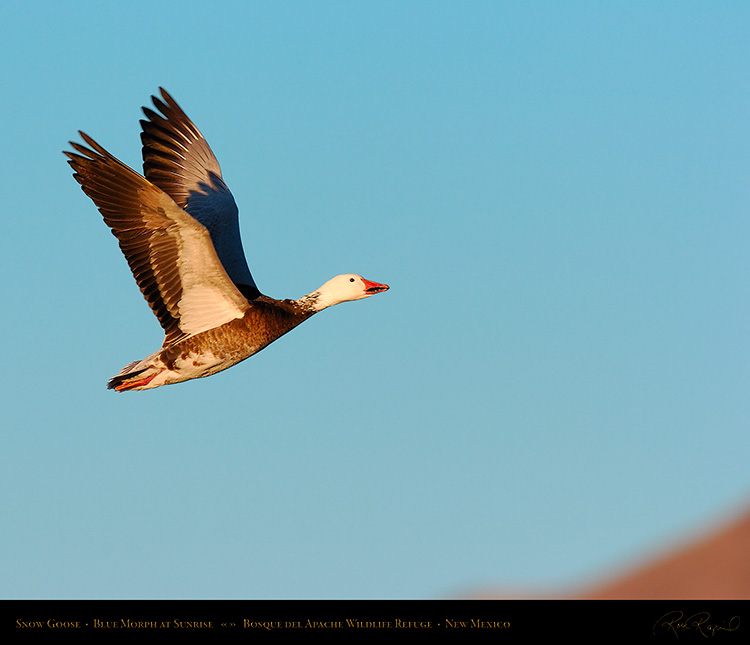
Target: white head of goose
x,y
179,231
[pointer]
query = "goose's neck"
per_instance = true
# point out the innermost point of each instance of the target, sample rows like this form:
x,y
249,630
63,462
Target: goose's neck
x,y
312,302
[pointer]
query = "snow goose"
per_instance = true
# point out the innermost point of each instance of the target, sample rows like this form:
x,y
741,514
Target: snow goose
x,y
178,229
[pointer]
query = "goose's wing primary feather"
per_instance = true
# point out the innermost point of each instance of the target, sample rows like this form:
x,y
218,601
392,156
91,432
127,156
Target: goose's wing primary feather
x,y
170,253
177,159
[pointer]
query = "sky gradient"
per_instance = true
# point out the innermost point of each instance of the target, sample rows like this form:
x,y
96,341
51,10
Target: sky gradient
x,y
556,383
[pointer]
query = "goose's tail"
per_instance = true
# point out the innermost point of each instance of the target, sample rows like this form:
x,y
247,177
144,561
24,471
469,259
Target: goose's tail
x,y
134,376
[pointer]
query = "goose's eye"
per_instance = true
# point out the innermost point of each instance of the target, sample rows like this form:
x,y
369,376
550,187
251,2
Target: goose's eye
x,y
351,279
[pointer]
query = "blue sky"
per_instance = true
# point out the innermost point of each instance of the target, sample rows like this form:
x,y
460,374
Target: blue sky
x,y
556,383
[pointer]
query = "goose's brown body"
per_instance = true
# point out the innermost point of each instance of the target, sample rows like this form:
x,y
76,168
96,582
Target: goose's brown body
x,y
178,230
214,350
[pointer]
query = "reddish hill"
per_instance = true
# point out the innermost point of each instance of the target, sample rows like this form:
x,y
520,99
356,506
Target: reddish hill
x,y
715,566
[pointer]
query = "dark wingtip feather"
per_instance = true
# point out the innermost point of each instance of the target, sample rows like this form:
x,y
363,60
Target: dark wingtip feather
x,y
150,114
167,96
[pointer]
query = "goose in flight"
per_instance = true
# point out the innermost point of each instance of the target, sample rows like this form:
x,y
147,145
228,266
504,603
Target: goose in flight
x,y
179,231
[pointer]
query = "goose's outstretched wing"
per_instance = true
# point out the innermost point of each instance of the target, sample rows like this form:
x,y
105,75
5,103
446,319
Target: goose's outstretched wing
x,y
177,159
170,253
